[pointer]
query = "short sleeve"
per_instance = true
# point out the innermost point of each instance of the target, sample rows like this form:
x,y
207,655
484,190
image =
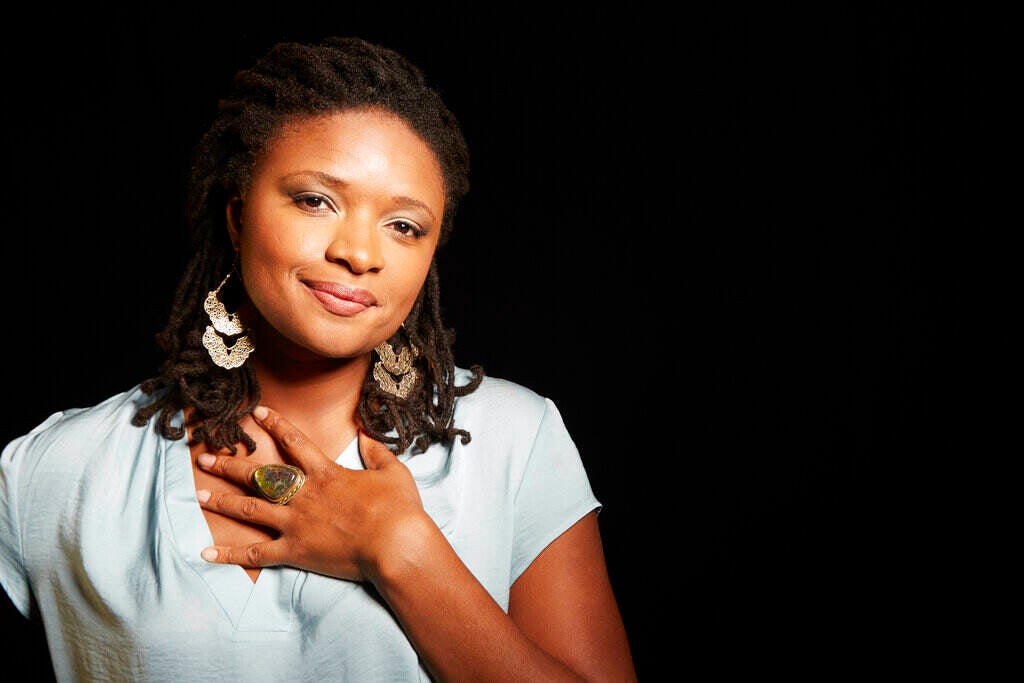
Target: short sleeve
x,y
13,573
554,493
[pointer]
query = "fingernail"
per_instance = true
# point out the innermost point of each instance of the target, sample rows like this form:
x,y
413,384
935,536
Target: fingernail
x,y
209,554
202,495
205,460
260,412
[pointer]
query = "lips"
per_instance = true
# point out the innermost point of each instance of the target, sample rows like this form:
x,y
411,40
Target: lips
x,y
341,299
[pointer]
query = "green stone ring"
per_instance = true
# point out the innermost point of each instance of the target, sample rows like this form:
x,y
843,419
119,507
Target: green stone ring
x,y
278,483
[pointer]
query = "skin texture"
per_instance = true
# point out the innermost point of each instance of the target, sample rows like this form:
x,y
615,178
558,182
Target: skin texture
x,y
340,199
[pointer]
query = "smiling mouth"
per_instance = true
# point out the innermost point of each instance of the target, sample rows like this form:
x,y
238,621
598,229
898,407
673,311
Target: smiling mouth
x,y
341,299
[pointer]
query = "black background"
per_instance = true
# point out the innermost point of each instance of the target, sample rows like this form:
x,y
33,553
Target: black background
x,y
723,242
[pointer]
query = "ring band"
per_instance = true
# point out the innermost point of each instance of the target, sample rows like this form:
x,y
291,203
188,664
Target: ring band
x,y
278,483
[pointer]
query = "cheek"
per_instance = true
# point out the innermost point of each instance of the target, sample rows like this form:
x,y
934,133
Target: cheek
x,y
266,260
409,280
275,248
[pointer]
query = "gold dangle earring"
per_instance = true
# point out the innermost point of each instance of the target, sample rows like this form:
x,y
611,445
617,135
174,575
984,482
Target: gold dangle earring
x,y
393,365
225,356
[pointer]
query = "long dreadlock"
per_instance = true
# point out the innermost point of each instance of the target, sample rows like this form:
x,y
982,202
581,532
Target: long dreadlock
x,y
294,81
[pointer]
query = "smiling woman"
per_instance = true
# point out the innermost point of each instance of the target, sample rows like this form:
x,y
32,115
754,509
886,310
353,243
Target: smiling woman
x,y
367,211
310,488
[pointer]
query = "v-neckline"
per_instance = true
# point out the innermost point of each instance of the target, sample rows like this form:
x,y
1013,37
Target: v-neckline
x,y
260,605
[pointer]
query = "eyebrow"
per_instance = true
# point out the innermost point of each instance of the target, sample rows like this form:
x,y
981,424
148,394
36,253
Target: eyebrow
x,y
333,181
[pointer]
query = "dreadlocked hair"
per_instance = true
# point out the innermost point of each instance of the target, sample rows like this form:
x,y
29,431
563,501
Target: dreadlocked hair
x,y
434,392
295,81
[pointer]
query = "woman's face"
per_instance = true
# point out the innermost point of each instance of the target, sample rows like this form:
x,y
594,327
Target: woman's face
x,y
337,231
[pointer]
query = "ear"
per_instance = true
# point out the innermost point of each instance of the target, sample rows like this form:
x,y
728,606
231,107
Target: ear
x,y
233,212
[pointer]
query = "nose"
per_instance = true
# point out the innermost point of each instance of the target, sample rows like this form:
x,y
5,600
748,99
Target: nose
x,y
356,244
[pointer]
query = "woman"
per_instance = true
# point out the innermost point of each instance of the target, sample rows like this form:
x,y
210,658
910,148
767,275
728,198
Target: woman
x,y
311,489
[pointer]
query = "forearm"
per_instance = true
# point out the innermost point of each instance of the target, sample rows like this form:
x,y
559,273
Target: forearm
x,y
457,628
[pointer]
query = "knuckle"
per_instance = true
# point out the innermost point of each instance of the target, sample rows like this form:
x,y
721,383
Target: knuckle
x,y
293,438
320,473
272,421
223,467
253,556
249,507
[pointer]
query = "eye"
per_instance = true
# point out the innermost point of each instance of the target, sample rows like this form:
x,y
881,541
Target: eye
x,y
313,203
407,229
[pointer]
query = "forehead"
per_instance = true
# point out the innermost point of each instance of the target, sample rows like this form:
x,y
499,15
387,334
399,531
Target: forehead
x,y
356,130
363,144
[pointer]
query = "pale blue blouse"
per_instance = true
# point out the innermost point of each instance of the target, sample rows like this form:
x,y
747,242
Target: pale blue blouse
x,y
100,531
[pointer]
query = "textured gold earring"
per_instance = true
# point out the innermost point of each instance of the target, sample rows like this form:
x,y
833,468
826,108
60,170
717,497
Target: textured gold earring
x,y
399,365
225,356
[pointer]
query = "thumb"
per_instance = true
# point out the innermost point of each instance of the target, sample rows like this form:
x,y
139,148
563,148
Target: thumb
x,y
375,454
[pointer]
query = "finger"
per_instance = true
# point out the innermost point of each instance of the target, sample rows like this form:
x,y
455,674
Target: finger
x,y
228,467
249,556
290,438
375,454
246,508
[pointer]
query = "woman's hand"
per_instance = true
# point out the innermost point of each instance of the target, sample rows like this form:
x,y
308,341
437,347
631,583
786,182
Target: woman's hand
x,y
341,523
370,525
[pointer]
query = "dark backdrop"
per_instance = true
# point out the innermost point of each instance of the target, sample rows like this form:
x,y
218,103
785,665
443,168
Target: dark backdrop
x,y
716,240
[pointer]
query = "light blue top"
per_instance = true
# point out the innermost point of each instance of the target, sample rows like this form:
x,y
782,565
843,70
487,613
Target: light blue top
x,y
100,531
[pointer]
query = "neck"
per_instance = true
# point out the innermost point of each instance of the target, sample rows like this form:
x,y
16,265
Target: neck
x,y
319,397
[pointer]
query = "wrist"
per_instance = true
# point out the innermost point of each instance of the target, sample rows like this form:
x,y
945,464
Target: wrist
x,y
413,543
